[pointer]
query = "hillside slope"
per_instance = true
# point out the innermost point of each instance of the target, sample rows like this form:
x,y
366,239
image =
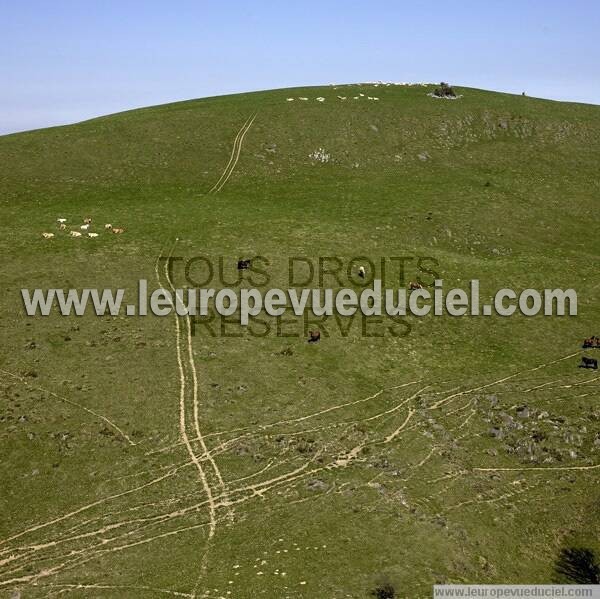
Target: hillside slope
x,y
143,458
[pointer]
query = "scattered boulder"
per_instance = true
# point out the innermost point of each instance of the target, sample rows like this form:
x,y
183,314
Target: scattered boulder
x,y
496,432
316,484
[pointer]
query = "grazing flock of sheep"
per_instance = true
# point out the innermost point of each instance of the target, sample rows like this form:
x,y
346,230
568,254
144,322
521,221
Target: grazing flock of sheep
x,y
322,99
83,229
360,95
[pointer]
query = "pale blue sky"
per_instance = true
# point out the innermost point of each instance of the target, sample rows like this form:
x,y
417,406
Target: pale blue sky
x,y
65,61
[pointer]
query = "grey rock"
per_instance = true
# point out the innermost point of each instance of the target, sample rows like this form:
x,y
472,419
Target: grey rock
x,y
316,484
496,432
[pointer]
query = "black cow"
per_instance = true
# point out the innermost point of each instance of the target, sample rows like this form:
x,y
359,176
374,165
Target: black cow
x,y
243,264
591,343
589,363
315,336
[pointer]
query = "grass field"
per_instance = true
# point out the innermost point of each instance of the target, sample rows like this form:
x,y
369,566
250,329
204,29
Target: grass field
x,y
141,460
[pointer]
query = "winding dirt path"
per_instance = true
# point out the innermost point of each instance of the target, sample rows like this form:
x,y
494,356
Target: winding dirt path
x,y
70,402
235,155
182,407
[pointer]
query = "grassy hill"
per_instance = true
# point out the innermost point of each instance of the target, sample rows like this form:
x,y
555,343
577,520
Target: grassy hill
x,y
321,469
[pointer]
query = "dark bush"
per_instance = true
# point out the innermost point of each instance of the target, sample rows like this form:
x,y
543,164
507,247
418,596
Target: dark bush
x,y
445,91
577,566
384,591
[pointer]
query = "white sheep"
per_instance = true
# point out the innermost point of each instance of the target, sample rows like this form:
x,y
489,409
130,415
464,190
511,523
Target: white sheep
x,y
61,220
75,234
302,98
92,235
84,227
108,226
342,97
47,235
320,99
290,99
62,226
